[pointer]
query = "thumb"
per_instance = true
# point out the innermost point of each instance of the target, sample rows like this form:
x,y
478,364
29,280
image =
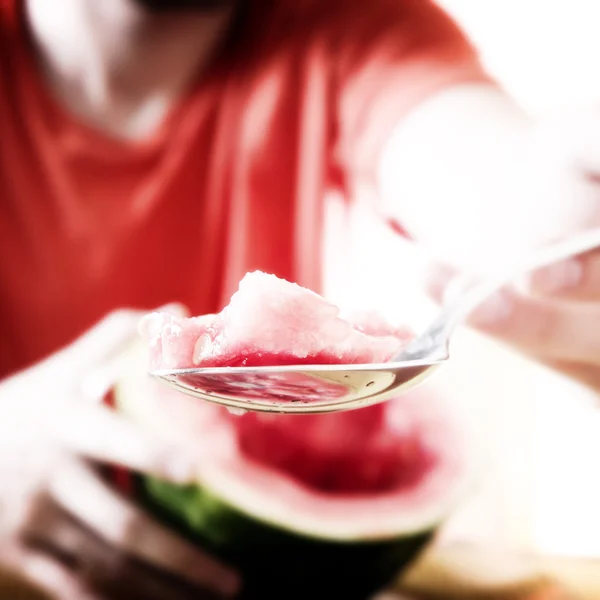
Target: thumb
x,y
102,342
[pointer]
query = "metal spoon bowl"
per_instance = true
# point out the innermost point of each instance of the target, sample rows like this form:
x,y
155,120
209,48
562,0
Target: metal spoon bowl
x,y
329,388
298,389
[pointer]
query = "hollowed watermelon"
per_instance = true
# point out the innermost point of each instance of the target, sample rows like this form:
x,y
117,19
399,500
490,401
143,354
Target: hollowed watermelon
x,y
306,506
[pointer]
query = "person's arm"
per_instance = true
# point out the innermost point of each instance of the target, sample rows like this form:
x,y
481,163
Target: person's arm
x,y
474,180
477,181
450,172
455,161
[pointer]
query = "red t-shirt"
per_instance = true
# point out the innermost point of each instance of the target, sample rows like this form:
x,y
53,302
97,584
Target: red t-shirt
x,y
234,180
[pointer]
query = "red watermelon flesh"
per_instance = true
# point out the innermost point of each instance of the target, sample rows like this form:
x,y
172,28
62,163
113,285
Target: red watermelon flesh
x,y
349,453
270,321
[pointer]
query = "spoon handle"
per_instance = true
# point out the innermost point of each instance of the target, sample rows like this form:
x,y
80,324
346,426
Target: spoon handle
x,y
472,291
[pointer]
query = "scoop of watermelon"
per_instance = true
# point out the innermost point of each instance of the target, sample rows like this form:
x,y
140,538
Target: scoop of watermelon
x,y
270,321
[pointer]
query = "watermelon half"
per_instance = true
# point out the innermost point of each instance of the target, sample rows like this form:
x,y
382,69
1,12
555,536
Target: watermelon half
x,y
325,506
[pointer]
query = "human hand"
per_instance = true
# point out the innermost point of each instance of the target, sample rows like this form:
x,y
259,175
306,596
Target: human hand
x,y
61,524
553,316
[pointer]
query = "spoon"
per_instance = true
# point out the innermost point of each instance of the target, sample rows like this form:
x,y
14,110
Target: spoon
x,y
336,387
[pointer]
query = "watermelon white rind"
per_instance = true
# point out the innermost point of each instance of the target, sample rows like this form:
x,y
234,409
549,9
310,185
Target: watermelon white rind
x,y
288,540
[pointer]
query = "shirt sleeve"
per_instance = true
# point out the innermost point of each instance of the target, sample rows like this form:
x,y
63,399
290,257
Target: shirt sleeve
x,y
393,54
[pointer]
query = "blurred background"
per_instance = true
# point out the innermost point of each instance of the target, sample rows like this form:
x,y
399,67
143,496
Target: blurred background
x,y
542,489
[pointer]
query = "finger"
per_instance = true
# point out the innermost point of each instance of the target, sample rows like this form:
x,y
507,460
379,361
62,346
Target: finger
x,y
43,572
102,342
126,527
553,330
105,343
100,434
105,569
577,278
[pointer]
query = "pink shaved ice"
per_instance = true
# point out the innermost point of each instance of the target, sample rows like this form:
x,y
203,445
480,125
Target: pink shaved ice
x,y
270,321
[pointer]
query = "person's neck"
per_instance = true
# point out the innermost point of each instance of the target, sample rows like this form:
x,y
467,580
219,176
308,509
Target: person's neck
x,y
117,66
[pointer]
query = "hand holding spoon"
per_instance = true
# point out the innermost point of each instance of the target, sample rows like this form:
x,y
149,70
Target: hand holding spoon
x,y
335,387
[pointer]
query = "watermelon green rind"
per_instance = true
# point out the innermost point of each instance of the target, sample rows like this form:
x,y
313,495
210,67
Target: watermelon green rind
x,y
271,558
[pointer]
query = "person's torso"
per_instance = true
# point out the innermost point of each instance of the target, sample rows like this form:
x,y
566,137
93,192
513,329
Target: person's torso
x,y
233,181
